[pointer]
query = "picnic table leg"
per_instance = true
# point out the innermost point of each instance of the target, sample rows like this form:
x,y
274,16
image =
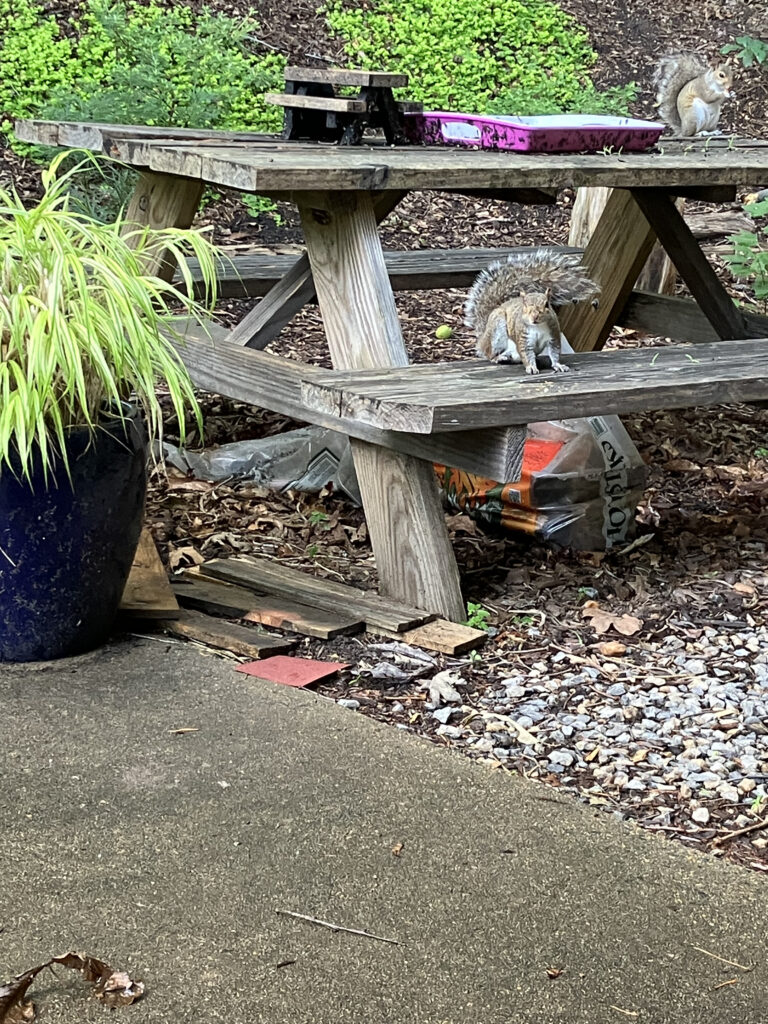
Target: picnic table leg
x,y
400,496
691,263
614,257
163,201
282,302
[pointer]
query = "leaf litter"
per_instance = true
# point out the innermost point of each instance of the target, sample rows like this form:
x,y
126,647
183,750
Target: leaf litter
x,y
112,988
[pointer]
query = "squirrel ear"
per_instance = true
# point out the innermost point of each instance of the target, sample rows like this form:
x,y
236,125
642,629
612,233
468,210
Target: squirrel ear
x,y
522,293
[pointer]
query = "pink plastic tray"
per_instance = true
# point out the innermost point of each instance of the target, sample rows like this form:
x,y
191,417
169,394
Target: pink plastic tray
x,y
555,133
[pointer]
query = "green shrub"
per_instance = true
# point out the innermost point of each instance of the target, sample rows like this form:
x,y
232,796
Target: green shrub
x,y
130,63
466,54
134,64
166,66
749,260
530,102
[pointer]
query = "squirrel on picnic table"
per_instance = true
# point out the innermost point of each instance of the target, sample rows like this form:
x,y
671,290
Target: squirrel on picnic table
x,y
690,93
511,306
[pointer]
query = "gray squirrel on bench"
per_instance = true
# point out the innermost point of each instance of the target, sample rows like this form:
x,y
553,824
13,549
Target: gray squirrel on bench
x,y
511,306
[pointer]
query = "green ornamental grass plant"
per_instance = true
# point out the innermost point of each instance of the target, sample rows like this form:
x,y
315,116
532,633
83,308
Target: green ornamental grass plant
x,y
82,330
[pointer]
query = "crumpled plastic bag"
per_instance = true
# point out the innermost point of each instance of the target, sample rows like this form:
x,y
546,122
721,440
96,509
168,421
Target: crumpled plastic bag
x,y
307,459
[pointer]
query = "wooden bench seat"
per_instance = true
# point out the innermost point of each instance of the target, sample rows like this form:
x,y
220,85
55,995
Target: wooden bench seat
x,y
253,275
446,397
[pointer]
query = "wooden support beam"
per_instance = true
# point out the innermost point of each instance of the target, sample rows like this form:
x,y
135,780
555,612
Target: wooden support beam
x,y
680,319
161,201
691,263
614,256
281,304
274,383
400,496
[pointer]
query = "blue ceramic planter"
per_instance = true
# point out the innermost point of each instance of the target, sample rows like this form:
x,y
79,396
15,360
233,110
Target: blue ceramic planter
x,y
66,548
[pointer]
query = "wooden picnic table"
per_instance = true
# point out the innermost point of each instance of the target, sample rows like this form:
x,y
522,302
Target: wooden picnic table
x,y
402,419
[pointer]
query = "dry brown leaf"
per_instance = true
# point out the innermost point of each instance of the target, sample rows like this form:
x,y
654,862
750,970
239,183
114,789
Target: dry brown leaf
x,y
602,620
184,556
397,849
111,987
682,466
184,729
14,1007
190,485
611,648
554,972
744,588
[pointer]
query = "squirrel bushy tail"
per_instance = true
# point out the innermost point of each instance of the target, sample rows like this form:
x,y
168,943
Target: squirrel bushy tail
x,y
673,72
560,273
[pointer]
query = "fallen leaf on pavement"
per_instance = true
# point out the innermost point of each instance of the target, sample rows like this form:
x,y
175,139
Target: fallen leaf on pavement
x,y
397,849
111,987
554,972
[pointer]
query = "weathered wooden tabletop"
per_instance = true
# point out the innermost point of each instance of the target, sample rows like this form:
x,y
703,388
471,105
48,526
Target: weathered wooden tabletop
x,y
264,163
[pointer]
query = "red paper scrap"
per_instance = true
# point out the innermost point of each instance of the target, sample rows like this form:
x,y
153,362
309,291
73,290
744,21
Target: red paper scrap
x,y
291,671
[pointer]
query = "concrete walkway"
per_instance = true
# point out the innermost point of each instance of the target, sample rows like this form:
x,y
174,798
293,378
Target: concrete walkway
x,y
169,855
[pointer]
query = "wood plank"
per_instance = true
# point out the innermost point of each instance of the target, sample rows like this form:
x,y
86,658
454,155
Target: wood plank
x,y
148,593
274,383
250,164
614,256
679,319
445,637
161,201
245,641
457,396
417,167
296,288
284,581
336,104
402,505
346,76
91,135
254,274
691,263
218,598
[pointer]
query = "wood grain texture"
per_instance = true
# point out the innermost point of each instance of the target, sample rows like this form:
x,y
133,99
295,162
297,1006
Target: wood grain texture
x,y
445,637
336,104
310,167
148,593
679,319
293,291
245,641
284,581
461,396
619,246
691,263
400,494
217,598
274,383
255,274
261,163
346,76
162,201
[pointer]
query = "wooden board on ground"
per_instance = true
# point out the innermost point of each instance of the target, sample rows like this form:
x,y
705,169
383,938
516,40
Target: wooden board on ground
x,y
283,581
471,395
148,593
218,598
246,641
444,636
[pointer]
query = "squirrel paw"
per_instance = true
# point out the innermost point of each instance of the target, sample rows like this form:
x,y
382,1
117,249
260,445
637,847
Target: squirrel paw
x,y
561,368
